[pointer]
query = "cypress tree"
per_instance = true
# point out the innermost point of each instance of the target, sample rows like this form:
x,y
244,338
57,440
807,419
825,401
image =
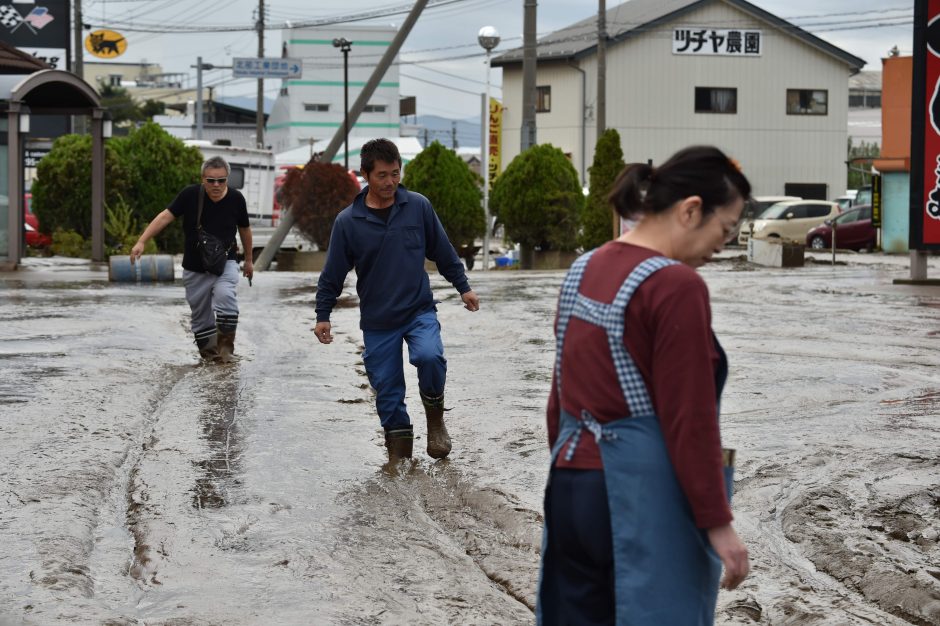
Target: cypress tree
x,y
597,217
455,192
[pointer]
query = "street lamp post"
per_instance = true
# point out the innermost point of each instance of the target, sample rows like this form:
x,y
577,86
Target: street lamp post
x,y
489,39
344,45
199,67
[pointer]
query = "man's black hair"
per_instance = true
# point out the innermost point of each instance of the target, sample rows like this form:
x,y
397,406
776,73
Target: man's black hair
x,y
378,150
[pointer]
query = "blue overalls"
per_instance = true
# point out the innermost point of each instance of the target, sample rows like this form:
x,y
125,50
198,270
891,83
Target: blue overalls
x,y
665,570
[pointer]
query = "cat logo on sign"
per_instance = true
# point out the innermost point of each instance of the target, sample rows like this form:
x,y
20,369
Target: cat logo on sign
x,y
106,44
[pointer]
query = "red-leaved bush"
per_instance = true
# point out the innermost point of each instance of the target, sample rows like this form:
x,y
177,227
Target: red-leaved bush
x,y
315,195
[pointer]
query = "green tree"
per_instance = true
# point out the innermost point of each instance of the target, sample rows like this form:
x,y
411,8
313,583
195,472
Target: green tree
x,y
62,190
860,158
152,107
446,180
159,166
120,104
596,219
143,171
316,194
538,199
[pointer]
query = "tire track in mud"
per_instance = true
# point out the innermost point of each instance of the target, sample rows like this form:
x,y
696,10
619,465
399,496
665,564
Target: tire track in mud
x,y
888,551
844,546
448,514
460,553
191,441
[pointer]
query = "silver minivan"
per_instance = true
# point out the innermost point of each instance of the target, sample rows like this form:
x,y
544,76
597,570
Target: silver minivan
x,y
790,221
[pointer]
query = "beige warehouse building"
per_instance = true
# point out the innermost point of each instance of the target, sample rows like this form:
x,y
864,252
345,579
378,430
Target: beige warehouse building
x,y
681,72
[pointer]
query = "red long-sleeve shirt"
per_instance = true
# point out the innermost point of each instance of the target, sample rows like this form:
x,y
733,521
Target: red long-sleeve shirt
x,y
668,333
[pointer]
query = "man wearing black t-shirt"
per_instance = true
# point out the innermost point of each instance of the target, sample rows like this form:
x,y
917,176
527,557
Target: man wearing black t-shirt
x,y
212,298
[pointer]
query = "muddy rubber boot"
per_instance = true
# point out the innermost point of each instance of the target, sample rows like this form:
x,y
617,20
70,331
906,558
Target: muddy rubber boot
x,y
399,443
207,342
438,439
226,343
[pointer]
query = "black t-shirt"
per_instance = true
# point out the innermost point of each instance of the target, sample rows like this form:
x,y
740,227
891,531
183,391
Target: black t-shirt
x,y
222,219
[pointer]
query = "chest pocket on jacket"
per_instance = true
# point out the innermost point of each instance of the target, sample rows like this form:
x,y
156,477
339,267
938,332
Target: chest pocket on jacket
x,y
412,236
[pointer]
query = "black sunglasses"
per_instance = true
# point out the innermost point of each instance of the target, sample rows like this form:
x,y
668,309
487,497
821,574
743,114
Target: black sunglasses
x,y
216,181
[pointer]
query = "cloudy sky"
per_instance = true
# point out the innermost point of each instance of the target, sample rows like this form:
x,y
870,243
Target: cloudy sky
x,y
444,66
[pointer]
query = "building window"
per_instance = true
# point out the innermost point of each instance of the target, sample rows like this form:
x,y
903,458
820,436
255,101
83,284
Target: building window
x,y
374,108
313,106
114,80
867,100
807,102
543,99
716,100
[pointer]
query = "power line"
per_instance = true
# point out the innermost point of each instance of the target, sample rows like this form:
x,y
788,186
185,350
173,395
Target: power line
x,y
343,19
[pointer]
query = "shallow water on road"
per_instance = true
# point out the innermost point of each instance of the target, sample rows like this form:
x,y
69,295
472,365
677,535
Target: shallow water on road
x,y
138,486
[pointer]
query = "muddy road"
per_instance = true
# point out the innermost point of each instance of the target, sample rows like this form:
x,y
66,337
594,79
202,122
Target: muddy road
x,y
140,487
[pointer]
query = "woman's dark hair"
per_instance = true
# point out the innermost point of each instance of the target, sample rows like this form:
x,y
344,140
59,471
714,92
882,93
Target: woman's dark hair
x,y
378,150
703,171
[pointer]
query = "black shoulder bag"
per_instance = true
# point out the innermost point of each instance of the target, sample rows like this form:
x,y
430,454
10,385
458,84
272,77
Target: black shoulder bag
x,y
212,252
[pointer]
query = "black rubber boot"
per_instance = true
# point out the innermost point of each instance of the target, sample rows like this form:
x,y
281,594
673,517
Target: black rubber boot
x,y
438,440
208,346
399,443
226,342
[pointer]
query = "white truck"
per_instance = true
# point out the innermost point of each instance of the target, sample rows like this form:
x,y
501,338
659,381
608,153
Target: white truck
x,y
253,174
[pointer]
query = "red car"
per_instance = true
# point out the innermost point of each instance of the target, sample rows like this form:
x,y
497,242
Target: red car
x,y
853,231
35,238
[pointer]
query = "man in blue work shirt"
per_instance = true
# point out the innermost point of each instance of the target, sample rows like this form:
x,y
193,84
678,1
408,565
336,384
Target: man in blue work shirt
x,y
386,234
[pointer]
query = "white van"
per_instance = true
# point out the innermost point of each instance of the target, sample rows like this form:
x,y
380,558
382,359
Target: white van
x,y
252,174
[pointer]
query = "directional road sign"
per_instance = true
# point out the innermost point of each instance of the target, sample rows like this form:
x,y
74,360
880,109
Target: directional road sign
x,y
247,67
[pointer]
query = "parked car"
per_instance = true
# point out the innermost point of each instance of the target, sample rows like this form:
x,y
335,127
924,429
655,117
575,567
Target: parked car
x,y
863,196
791,220
847,200
35,238
853,231
752,209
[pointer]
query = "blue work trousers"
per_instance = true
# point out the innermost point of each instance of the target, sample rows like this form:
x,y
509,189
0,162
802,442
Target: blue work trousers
x,y
383,361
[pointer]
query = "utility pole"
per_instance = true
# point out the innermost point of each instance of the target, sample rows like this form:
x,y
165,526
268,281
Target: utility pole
x,y
78,121
77,57
287,220
453,135
528,75
259,126
199,116
601,69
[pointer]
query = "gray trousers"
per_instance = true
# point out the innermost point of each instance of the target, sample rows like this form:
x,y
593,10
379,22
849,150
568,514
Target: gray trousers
x,y
212,300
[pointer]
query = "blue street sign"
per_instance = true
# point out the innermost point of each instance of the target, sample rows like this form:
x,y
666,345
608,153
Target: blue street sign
x,y
248,67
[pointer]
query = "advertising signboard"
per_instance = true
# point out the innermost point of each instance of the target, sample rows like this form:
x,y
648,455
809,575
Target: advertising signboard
x,y
925,128
38,28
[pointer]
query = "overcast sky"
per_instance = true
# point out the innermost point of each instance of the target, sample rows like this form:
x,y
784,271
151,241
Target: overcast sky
x,y
444,85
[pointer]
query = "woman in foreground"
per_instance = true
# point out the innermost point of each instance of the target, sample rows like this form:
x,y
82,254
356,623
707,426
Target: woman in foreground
x,y
637,513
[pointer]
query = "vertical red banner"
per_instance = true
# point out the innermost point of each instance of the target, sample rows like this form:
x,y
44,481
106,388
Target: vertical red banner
x,y
930,208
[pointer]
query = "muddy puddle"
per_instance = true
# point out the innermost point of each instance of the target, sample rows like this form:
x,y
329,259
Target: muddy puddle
x,y
138,486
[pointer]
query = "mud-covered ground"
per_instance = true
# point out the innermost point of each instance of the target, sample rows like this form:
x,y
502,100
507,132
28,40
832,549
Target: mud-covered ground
x,y
140,487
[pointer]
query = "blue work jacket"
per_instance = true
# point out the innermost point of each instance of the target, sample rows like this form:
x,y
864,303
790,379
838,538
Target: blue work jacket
x,y
392,283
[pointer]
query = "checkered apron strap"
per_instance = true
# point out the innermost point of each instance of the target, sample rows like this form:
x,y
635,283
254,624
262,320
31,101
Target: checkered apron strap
x,y
631,382
566,306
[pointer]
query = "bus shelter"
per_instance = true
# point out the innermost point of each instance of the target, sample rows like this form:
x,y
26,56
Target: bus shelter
x,y
46,92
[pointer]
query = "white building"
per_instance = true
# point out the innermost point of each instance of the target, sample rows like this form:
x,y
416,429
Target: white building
x,y
311,108
682,72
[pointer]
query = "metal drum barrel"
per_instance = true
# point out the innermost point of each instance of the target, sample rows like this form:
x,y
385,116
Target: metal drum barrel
x,y
149,268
